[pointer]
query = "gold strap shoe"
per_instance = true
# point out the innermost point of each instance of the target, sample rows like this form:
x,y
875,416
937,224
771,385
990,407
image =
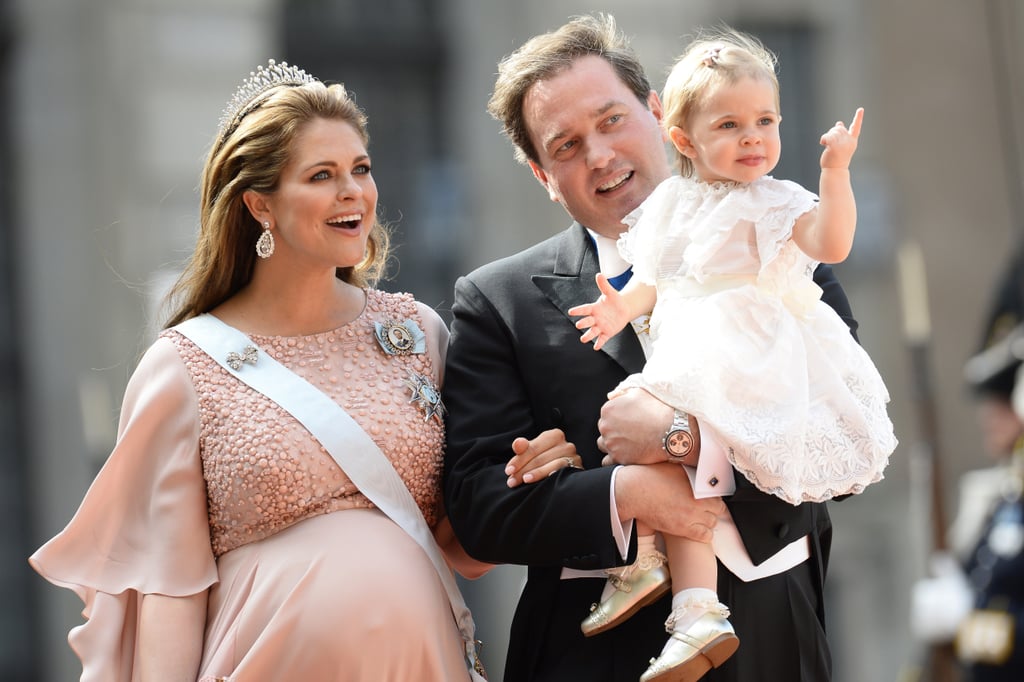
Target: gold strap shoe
x,y
642,583
708,643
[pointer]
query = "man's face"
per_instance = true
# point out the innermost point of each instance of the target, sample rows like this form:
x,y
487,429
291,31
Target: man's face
x,y
602,152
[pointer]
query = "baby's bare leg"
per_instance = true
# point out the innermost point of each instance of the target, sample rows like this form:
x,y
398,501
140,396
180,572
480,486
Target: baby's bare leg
x,y
691,563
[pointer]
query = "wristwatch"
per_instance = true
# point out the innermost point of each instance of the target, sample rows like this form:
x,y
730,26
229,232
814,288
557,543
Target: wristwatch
x,y
678,441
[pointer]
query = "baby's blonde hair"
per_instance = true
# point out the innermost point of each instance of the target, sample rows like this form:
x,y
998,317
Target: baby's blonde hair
x,y
715,57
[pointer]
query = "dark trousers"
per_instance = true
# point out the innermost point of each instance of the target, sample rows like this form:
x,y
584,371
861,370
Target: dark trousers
x,y
781,638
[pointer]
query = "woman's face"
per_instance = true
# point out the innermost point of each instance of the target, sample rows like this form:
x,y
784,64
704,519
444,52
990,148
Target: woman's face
x,y
326,201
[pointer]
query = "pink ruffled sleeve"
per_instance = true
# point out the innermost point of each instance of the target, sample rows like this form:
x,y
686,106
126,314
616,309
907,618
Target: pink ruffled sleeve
x,y
143,526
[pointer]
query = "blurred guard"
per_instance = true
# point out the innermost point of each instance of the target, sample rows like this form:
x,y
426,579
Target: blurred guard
x,y
990,638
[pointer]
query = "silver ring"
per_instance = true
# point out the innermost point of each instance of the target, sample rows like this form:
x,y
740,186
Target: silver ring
x,y
570,463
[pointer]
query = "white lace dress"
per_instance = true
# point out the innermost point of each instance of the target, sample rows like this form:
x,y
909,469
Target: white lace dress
x,y
742,341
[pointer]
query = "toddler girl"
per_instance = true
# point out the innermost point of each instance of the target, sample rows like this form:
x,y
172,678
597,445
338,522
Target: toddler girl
x,y
722,256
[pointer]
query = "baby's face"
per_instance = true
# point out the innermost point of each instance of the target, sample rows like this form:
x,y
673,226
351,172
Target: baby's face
x,y
733,136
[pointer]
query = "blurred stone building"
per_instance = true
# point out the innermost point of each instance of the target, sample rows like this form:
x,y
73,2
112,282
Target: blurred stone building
x,y
110,106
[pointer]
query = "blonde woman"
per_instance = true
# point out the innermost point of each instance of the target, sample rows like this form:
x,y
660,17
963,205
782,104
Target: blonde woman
x,y
239,529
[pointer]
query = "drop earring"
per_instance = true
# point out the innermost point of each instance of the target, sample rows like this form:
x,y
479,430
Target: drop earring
x,y
265,244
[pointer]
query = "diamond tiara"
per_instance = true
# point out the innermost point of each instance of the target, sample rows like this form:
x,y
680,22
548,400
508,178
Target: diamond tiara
x,y
250,93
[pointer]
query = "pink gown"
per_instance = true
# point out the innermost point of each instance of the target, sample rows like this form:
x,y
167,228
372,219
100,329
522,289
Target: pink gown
x,y
213,486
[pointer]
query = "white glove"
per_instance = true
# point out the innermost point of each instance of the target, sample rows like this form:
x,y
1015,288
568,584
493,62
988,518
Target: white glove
x,y
939,604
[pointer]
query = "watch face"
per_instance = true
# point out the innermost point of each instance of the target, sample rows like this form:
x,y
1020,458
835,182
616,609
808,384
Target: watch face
x,y
678,443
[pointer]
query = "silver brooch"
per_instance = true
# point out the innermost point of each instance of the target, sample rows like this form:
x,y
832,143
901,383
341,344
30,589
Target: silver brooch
x,y
400,338
249,355
426,396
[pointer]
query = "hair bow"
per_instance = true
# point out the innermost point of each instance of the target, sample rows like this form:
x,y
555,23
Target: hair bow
x,y
711,56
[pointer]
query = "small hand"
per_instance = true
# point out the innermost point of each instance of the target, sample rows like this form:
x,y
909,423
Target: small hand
x,y
840,143
604,318
540,457
455,554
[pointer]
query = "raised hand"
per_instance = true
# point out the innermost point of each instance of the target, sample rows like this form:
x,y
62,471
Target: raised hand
x,y
605,317
840,142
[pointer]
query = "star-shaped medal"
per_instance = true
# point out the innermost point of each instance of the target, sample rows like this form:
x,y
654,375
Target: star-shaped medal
x,y
426,396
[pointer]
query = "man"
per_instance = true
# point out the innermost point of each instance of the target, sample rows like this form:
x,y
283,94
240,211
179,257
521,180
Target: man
x,y
580,112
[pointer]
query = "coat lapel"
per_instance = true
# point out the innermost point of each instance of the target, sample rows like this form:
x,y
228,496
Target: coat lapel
x,y
572,283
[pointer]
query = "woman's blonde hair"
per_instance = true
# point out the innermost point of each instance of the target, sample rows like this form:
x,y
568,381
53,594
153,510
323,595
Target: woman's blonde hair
x,y
250,155
716,57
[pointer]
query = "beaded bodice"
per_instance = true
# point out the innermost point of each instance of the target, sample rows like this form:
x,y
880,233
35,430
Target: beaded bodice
x,y
264,471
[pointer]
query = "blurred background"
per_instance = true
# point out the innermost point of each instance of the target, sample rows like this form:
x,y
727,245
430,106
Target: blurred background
x,y
111,105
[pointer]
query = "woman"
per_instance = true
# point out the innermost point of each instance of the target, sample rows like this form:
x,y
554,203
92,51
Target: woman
x,y
223,539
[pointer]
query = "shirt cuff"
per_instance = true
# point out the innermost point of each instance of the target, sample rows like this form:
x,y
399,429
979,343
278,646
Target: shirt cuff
x,y
715,475
622,531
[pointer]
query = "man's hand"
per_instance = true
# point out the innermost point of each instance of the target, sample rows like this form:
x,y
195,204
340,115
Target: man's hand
x,y
632,426
540,457
659,495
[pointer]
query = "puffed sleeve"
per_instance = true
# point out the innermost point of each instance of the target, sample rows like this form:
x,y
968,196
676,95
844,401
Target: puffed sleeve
x,y
437,339
143,526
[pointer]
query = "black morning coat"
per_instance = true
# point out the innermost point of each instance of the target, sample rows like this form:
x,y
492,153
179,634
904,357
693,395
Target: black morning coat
x,y
516,367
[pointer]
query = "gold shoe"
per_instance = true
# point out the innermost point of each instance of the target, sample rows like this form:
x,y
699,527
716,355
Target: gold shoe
x,y
642,583
708,643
